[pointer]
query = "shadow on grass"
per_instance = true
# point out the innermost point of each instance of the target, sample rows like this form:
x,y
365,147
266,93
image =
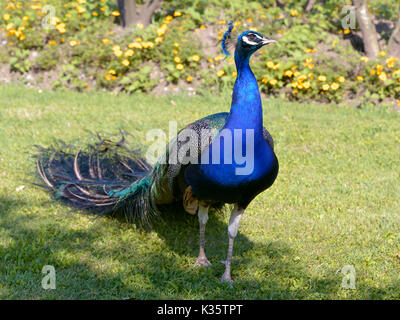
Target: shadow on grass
x,y
165,273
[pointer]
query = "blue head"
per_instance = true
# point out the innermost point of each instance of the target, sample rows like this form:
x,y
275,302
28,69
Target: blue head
x,y
250,41
245,44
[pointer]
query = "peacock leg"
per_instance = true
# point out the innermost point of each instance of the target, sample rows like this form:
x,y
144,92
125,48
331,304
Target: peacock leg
x,y
203,217
233,226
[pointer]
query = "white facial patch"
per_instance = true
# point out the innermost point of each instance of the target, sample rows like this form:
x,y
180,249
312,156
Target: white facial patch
x,y
252,43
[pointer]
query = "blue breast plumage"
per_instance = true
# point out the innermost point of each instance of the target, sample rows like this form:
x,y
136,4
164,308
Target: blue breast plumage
x,y
240,162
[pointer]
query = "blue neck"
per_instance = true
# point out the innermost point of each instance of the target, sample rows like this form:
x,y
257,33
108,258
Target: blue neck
x,y
246,108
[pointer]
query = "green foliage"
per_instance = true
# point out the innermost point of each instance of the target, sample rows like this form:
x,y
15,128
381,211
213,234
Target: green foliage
x,y
183,47
47,59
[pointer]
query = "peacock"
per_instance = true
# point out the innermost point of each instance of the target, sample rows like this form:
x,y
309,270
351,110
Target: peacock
x,y
224,158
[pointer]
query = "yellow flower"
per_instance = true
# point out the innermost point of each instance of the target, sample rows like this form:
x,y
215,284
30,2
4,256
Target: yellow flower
x,y
80,9
36,6
307,84
273,82
125,62
325,87
116,13
202,27
302,78
334,43
364,59
140,25
322,78
309,50
264,80
112,71
234,74
73,43
270,64
189,79
105,41
61,27
346,31
52,42
95,14
158,40
168,18
6,17
382,53
219,57
398,102
293,12
383,76
276,67
391,61
179,66
379,67
135,45
177,14
196,58
372,72
288,73
25,18
161,31
360,78
334,86
129,53
108,77
148,44
117,51
177,59
341,79
220,73
176,44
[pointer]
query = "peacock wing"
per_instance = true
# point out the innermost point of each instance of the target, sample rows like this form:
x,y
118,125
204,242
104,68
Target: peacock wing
x,y
168,183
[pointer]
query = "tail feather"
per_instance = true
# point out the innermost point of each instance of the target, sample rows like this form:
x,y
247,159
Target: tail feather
x,y
103,178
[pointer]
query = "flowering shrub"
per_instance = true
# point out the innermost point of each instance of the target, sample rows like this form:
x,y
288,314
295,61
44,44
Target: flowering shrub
x,y
81,41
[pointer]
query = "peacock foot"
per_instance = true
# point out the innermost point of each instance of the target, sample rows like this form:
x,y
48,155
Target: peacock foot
x,y
202,261
226,277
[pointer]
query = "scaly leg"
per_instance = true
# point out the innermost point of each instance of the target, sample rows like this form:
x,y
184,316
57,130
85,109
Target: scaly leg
x,y
234,220
203,217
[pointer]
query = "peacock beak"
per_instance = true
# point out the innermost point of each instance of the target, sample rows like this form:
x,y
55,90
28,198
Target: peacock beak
x,y
266,40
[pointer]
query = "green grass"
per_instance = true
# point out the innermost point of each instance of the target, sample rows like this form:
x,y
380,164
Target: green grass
x,y
335,203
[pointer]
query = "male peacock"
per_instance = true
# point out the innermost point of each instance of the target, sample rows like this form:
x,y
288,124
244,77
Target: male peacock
x,y
109,178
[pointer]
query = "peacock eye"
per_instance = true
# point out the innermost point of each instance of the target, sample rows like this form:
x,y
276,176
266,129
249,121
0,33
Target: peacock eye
x,y
252,37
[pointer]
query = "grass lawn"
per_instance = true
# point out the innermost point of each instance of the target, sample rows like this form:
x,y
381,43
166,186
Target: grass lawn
x,y
335,203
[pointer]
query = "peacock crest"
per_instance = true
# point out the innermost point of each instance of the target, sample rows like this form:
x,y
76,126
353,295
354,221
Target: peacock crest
x,y
229,39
